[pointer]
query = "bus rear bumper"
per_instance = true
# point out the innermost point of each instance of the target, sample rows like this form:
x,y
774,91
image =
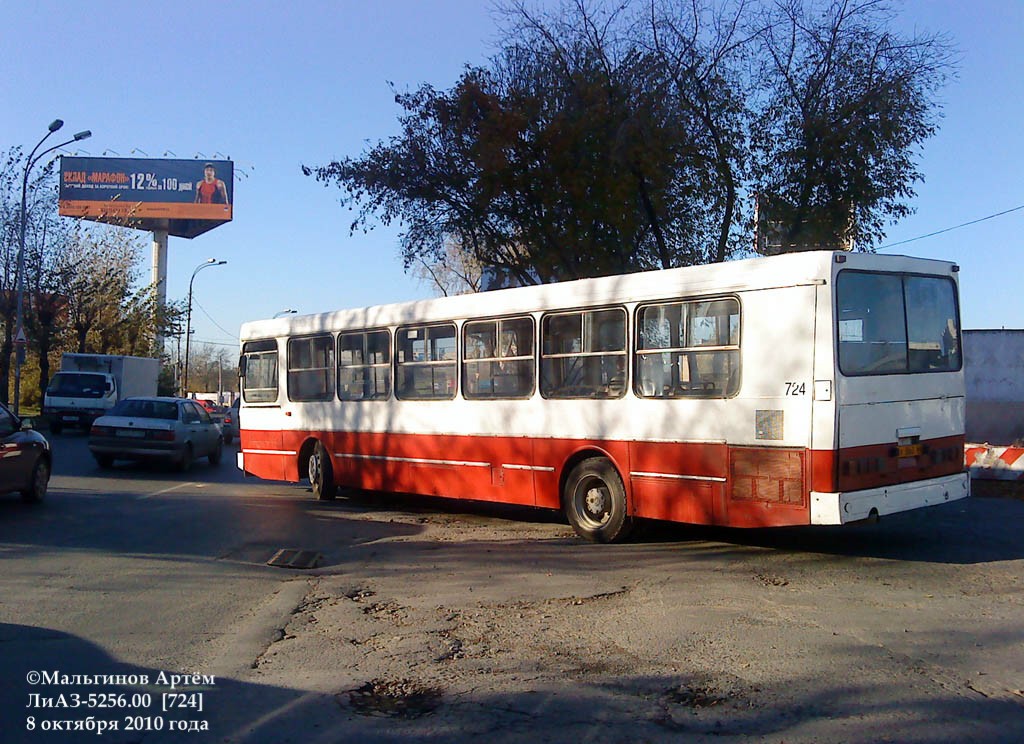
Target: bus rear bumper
x,y
853,506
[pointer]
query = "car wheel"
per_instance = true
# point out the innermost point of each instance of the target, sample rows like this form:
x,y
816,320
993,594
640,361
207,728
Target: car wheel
x,y
228,439
595,502
321,474
36,490
104,461
186,459
218,452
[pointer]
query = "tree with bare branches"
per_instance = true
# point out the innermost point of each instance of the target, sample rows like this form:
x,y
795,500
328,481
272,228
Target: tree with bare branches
x,y
845,103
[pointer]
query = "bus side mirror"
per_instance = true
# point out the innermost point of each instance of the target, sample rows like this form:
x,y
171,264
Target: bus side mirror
x,y
241,366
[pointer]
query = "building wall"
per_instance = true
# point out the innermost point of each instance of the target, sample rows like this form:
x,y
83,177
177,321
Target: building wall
x,y
994,377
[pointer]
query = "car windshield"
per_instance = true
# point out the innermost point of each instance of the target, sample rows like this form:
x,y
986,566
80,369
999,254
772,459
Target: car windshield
x,y
156,409
77,385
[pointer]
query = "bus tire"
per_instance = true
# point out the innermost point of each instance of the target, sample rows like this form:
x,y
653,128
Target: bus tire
x,y
594,500
321,474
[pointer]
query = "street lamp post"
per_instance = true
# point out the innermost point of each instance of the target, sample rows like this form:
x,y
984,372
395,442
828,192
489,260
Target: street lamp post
x,y
188,317
19,328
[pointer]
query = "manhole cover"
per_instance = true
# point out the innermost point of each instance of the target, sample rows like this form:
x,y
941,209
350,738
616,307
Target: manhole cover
x,y
293,558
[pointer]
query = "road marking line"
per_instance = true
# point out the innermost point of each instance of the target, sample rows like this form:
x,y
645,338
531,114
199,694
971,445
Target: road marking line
x,y
165,490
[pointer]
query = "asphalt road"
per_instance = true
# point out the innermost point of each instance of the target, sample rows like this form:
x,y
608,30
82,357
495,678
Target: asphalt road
x,y
430,621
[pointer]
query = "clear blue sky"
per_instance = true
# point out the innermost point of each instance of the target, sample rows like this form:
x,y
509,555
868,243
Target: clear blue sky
x,y
275,86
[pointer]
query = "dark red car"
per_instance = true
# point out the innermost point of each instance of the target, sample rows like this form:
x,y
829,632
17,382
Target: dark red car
x,y
25,459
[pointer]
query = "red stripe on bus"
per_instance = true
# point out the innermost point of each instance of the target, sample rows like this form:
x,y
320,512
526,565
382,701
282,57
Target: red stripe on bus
x,y
878,465
693,482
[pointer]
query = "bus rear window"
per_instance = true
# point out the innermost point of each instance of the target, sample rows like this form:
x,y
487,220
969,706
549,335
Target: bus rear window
x,y
896,324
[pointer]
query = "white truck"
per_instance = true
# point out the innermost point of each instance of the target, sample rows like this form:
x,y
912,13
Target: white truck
x,y
89,385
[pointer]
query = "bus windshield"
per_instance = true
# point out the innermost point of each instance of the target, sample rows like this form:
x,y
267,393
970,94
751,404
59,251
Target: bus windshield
x,y
896,324
77,385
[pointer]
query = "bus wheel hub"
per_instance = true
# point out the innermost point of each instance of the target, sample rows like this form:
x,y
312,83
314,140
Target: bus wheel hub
x,y
595,501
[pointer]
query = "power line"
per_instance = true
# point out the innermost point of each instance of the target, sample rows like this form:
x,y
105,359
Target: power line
x,y
955,227
210,318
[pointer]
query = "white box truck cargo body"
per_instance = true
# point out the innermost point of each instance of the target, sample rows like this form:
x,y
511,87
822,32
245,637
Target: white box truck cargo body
x,y
89,385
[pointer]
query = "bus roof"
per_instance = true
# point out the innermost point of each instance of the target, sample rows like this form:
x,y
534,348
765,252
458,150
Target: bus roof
x,y
790,269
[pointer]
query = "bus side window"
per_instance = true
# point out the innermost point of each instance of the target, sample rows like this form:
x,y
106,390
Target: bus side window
x,y
311,368
688,349
364,365
426,362
584,354
498,358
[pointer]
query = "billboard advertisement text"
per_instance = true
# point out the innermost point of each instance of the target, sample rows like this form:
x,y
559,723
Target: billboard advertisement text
x,y
190,195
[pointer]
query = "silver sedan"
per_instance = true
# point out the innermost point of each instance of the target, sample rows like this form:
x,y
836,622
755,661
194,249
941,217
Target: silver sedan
x,y
172,429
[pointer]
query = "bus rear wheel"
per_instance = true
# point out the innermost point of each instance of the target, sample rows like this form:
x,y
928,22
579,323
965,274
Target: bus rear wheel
x,y
594,500
321,474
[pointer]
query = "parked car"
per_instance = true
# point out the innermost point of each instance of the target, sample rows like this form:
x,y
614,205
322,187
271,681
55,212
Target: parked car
x,y
25,457
171,429
229,425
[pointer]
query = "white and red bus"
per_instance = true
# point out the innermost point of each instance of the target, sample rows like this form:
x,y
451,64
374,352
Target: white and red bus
x,y
809,388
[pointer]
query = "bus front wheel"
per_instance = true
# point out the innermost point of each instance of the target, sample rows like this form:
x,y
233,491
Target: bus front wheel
x,y
595,502
321,473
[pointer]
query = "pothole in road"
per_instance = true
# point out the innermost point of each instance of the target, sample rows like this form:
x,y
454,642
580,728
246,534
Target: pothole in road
x,y
392,698
694,696
386,610
357,594
770,579
711,703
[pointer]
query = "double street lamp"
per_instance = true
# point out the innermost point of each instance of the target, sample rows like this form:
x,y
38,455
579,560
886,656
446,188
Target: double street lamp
x,y
188,317
19,356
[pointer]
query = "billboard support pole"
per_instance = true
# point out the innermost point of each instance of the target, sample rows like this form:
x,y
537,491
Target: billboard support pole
x,y
159,281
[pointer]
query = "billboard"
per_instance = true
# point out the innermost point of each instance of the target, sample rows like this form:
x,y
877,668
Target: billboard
x,y
184,197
